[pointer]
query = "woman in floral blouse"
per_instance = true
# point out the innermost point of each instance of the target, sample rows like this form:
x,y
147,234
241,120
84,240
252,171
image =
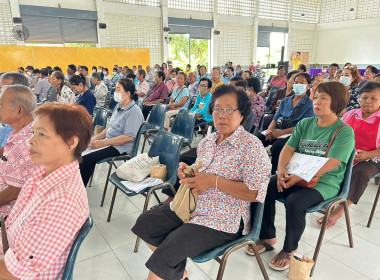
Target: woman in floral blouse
x,y
235,171
64,94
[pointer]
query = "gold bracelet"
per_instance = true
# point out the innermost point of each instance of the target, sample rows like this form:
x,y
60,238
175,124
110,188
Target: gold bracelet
x,y
216,183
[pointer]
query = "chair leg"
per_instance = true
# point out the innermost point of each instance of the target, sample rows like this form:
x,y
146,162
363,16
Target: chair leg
x,y
106,185
145,137
157,198
111,206
89,185
374,207
259,261
348,223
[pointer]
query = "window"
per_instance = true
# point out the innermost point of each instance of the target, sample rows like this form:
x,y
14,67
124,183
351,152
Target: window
x,y
193,5
274,9
305,11
155,3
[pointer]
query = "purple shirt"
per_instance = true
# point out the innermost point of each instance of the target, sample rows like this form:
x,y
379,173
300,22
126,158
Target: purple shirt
x,y
158,92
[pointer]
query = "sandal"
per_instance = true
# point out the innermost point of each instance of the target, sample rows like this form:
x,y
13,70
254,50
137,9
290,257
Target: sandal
x,y
330,223
267,247
281,256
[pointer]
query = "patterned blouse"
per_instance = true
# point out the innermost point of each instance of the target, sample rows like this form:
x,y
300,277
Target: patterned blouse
x,y
241,157
354,96
41,227
67,96
258,108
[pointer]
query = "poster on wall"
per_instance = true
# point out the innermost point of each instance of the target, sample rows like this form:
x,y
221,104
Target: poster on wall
x,y
297,58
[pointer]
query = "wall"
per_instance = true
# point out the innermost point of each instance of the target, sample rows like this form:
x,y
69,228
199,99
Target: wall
x,y
355,41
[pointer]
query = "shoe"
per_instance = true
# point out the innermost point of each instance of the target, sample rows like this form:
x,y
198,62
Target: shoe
x,y
281,256
267,247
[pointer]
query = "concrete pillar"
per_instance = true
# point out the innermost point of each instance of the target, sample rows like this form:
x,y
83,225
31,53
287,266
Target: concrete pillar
x,y
102,39
165,23
15,12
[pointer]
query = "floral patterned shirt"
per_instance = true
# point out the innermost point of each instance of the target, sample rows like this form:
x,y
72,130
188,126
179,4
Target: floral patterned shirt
x,y
258,108
354,96
241,157
67,96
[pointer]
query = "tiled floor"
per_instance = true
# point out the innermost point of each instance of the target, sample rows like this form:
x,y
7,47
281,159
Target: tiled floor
x,y
107,252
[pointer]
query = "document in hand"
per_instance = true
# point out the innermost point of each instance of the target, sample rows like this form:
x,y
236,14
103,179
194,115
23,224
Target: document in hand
x,y
282,136
305,166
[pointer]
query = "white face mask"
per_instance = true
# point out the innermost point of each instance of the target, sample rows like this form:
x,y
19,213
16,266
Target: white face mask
x,y
174,79
117,97
346,81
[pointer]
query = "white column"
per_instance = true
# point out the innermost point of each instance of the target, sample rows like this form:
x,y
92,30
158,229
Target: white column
x,y
15,12
102,39
214,40
165,23
255,36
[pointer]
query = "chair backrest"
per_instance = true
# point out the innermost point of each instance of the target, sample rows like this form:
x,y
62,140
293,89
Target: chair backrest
x,y
157,115
112,104
184,124
140,103
257,210
101,117
345,186
271,93
137,140
249,123
168,147
70,262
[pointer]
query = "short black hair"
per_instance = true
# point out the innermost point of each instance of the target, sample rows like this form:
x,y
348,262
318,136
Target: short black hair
x,y
236,78
230,67
244,104
131,75
290,74
175,71
302,66
72,67
374,70
305,75
249,73
161,74
56,68
254,83
84,67
334,64
94,67
368,87
36,71
241,83
44,71
142,73
129,86
29,67
77,79
209,83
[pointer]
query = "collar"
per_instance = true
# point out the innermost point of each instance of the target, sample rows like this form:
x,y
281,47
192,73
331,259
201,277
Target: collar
x,y
359,114
234,139
23,131
303,101
126,108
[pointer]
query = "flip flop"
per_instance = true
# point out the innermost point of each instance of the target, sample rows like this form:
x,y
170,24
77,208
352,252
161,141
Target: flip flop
x,y
267,247
281,256
330,223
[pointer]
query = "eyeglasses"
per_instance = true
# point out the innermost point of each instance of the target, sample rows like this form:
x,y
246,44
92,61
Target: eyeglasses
x,y
228,111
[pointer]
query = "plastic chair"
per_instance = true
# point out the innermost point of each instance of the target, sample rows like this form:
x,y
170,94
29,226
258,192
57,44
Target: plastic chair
x,y
376,177
140,103
226,249
167,147
271,93
5,130
101,118
249,123
111,161
326,207
183,126
70,262
111,105
155,121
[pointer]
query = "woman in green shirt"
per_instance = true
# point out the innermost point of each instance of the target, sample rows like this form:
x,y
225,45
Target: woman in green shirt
x,y
311,136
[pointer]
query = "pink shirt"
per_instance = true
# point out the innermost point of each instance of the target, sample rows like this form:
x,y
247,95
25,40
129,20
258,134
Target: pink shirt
x,y
171,85
241,157
276,82
15,165
44,222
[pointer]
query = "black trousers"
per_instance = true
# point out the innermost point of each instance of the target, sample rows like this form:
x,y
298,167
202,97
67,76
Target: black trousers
x,y
297,200
89,161
276,148
176,241
146,110
189,158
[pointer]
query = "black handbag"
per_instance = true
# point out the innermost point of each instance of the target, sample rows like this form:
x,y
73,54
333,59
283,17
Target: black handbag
x,y
283,123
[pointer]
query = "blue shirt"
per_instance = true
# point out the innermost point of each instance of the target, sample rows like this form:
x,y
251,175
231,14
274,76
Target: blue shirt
x,y
204,112
115,78
227,80
177,96
125,122
87,100
286,109
205,76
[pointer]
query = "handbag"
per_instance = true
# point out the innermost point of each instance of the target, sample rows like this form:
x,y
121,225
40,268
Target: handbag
x,y
313,182
185,200
4,237
137,168
158,171
283,123
300,267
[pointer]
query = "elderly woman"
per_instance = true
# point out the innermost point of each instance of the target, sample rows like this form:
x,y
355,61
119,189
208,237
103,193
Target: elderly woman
x,y
86,97
365,122
52,206
311,137
280,79
119,137
351,79
158,94
64,94
257,102
235,169
292,109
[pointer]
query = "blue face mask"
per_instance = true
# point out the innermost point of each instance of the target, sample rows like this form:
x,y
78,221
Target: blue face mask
x,y
346,81
299,89
237,71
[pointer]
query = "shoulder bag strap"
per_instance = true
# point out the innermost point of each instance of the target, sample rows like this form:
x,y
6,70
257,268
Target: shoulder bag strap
x,y
332,139
298,111
4,235
179,93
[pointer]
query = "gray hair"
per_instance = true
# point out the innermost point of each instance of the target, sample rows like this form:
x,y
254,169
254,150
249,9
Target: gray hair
x,y
191,74
95,76
17,78
22,96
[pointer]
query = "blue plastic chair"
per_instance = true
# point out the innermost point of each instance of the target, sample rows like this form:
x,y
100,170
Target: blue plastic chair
x,y
70,262
111,161
155,121
111,105
101,118
183,126
225,250
327,206
140,103
5,130
167,147
271,93
376,177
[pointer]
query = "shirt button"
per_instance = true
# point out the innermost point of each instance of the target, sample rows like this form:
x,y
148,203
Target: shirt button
x,y
31,257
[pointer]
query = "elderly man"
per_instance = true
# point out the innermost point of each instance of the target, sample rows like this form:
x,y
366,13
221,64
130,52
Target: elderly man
x,y
230,74
100,91
332,70
193,86
84,71
16,105
70,71
215,78
149,76
42,87
142,88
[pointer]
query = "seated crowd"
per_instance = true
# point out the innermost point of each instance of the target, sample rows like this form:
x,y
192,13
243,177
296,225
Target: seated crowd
x,y
43,195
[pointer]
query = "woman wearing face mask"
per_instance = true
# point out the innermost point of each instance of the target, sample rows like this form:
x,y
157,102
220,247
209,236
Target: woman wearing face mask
x,y
119,137
107,77
86,97
352,80
292,109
